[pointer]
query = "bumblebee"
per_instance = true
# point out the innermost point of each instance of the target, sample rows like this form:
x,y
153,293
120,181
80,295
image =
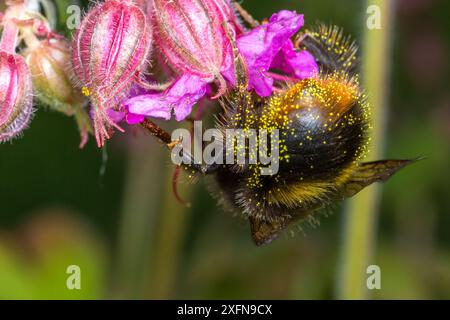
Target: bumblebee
x,y
323,124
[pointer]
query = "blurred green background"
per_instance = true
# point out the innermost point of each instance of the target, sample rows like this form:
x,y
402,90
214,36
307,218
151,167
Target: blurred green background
x,y
113,213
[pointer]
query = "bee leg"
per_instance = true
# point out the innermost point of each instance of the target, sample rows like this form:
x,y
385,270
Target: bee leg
x,y
165,138
162,135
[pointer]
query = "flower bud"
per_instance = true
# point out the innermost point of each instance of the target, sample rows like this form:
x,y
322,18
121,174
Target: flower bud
x,y
110,51
16,96
192,37
146,6
228,11
49,63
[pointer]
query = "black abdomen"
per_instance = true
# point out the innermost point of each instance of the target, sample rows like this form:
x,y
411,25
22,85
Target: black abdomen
x,y
321,144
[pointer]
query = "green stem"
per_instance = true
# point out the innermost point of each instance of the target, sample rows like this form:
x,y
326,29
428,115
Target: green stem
x,y
170,236
361,214
140,207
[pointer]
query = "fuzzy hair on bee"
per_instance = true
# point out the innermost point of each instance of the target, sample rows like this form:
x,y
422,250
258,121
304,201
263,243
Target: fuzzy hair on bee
x,y
322,124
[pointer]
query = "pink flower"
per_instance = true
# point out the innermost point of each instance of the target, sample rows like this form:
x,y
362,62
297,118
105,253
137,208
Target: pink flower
x,y
16,88
16,96
298,64
110,51
269,46
192,38
180,98
49,64
228,13
264,48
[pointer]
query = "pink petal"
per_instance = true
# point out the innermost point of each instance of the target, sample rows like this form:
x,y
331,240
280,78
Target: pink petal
x,y
150,105
300,65
260,46
116,116
134,118
180,98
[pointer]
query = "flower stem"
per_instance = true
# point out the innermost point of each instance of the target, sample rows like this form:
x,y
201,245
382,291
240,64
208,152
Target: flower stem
x,y
10,32
140,207
360,218
9,37
169,242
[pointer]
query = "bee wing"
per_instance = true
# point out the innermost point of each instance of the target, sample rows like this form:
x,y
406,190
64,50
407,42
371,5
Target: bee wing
x,y
370,172
264,232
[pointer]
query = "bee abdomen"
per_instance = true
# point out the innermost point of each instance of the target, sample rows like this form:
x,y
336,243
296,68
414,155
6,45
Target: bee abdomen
x,y
323,128
319,148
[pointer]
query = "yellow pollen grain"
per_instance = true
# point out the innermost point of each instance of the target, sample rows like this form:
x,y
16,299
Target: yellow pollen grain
x,y
85,91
